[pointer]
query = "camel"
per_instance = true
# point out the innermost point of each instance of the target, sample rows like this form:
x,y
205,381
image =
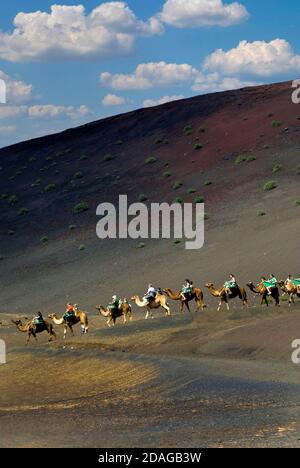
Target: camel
x,y
159,301
262,290
33,329
112,315
80,317
290,289
224,296
196,295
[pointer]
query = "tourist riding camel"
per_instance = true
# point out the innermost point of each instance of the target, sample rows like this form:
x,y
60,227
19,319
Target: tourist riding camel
x,y
187,289
117,308
70,312
262,290
270,284
223,295
186,295
35,326
156,302
230,285
150,295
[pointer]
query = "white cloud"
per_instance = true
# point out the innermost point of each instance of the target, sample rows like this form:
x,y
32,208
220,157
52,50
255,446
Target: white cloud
x,y
197,13
68,32
7,130
114,100
17,91
214,82
163,100
149,75
44,111
52,111
258,58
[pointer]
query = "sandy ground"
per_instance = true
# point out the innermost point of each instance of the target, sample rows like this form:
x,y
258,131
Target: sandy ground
x,y
209,379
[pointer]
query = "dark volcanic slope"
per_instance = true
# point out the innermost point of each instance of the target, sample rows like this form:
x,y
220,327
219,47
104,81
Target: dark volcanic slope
x,y
196,142
78,161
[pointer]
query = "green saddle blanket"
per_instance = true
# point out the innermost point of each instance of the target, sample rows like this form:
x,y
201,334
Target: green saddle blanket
x,y
187,290
296,282
230,286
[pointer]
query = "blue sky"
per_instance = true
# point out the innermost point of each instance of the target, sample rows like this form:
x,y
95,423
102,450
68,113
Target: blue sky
x,y
72,64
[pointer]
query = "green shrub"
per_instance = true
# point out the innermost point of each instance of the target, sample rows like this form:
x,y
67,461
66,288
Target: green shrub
x,y
32,159
207,183
270,185
83,157
277,123
72,227
44,239
80,207
119,142
199,200
177,185
23,211
143,197
240,159
188,129
4,196
261,212
191,190
298,170
108,157
296,203
176,241
167,174
141,245
82,247
178,200
251,158
150,160
277,168
49,188
12,199
202,130
11,232
158,141
198,146
78,175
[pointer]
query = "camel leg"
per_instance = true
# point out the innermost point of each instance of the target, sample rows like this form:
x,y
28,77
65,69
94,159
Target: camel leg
x,y
219,307
181,306
147,313
65,331
124,318
108,322
187,305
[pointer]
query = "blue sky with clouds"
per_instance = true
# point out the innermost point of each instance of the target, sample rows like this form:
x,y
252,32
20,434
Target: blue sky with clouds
x,y
71,62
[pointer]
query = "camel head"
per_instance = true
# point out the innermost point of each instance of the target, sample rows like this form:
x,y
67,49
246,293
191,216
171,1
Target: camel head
x,y
134,298
209,285
100,307
17,322
52,316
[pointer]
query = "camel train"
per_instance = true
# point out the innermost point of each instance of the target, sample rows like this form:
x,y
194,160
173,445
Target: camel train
x,y
158,299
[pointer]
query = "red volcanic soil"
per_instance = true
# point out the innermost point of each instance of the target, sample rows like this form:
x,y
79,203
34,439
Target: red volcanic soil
x,y
226,124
